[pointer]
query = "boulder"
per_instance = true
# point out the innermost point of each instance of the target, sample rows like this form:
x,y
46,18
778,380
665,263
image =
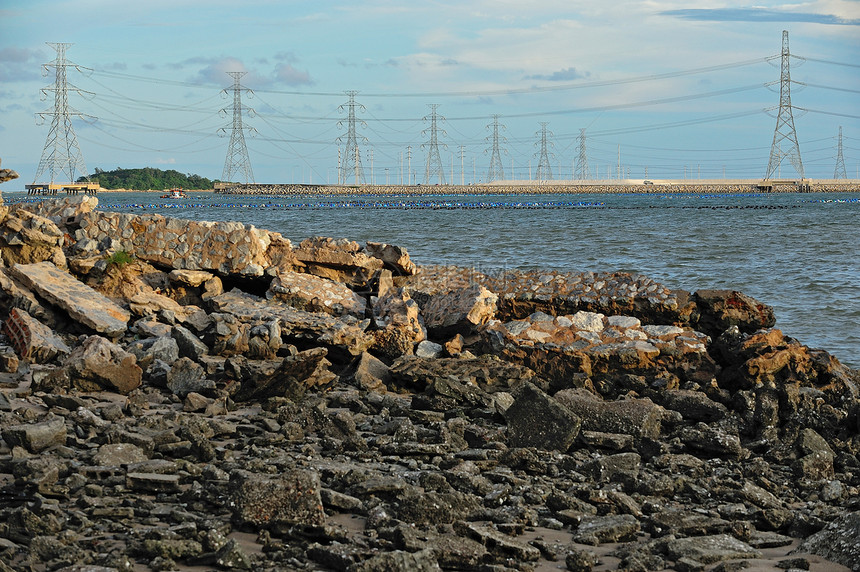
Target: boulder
x,y
346,333
315,294
397,314
7,175
459,311
710,549
34,342
371,373
719,310
636,417
98,364
27,238
537,420
295,375
66,211
839,541
339,260
37,437
82,303
291,498
595,530
395,258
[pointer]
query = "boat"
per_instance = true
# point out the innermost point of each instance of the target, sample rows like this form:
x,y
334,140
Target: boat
x,y
175,194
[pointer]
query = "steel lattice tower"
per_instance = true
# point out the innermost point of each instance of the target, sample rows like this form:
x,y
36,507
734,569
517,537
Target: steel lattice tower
x,y
544,171
237,160
784,134
582,164
496,171
61,153
434,160
350,161
839,171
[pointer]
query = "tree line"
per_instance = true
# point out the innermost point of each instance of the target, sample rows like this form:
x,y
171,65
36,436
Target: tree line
x,y
147,178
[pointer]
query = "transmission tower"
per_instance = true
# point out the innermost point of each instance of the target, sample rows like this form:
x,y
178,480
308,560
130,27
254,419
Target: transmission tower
x,y
237,160
839,171
434,160
784,135
582,164
496,171
351,158
544,171
61,153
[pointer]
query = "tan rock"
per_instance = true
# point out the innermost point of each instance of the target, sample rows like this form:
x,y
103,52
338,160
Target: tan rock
x,y
315,294
398,322
99,364
82,303
459,311
26,238
395,258
338,260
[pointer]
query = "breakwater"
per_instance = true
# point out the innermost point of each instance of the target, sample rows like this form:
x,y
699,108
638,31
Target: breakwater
x,y
543,188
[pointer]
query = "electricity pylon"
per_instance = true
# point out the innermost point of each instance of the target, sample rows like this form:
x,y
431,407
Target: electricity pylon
x,y
839,171
434,160
544,171
61,153
784,134
496,171
350,162
237,160
582,163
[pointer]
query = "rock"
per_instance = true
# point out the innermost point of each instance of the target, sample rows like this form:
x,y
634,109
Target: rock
x,y
346,333
693,405
291,498
497,542
37,437
83,304
595,530
422,561
296,375
395,258
459,311
816,462
397,311
613,468
26,238
193,278
7,175
428,349
537,420
839,541
720,309
636,417
98,364
315,294
371,373
578,560
338,260
118,454
188,344
34,342
186,376
163,348
66,211
710,549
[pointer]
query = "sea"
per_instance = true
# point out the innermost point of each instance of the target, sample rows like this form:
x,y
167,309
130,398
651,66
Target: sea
x,y
797,252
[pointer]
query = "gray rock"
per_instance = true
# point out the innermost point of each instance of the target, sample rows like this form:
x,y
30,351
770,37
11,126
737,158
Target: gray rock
x,y
188,344
637,417
594,530
161,348
839,541
186,376
371,373
428,349
37,437
537,420
98,364
710,549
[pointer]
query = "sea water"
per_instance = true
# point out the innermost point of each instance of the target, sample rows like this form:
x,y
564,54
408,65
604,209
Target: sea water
x,y
797,252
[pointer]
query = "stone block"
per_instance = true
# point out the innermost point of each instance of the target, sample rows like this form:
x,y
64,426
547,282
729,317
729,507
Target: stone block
x,y
636,417
314,294
459,311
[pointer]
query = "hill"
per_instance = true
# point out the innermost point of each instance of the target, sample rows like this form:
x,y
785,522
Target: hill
x,y
148,178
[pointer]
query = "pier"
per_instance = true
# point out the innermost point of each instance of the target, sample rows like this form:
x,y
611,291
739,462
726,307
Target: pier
x,y
67,188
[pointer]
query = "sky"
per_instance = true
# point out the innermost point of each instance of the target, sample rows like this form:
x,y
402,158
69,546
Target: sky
x,y
660,89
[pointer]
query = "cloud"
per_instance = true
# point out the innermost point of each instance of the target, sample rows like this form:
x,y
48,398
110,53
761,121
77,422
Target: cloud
x,y
567,74
20,64
289,75
162,161
758,15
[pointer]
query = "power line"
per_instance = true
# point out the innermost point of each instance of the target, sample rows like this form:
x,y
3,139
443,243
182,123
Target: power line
x,y
237,160
61,153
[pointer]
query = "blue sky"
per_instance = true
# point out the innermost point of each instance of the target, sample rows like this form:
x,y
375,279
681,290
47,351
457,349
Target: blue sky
x,y
677,89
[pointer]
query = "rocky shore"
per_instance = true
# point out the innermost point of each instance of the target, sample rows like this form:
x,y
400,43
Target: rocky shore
x,y
178,395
